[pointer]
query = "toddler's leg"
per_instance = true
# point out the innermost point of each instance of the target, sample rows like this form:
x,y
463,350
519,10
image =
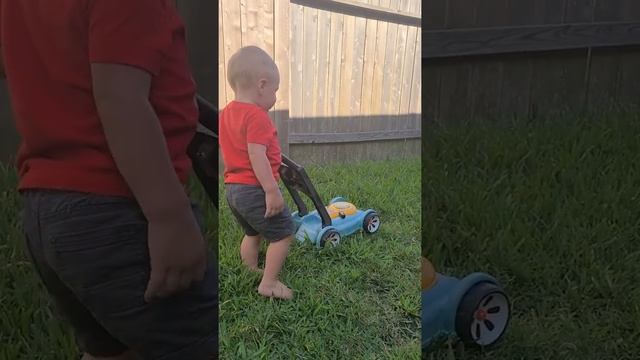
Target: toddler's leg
x,y
276,255
249,249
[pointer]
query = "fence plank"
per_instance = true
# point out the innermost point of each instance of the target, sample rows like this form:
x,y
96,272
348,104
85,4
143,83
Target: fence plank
x,y
309,64
609,10
357,66
369,64
435,14
604,79
346,79
337,26
222,65
281,16
631,10
408,71
323,47
362,10
415,106
629,86
352,136
491,41
390,75
379,69
579,11
297,60
233,37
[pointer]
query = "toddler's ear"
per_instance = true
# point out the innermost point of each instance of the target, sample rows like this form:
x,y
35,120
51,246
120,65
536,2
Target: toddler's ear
x,y
262,84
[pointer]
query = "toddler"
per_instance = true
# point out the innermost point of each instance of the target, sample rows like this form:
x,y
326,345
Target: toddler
x,y
251,154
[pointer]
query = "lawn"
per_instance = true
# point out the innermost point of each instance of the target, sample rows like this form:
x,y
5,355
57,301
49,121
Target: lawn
x,y
357,301
551,208
28,329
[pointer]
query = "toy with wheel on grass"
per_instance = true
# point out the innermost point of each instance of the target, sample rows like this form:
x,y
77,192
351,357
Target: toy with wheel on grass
x,y
326,225
474,309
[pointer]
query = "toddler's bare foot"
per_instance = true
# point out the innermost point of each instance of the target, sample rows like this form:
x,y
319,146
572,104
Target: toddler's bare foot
x,y
277,290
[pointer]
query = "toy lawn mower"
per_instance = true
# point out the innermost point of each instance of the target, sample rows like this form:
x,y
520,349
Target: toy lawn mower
x,y
203,149
326,225
323,226
474,309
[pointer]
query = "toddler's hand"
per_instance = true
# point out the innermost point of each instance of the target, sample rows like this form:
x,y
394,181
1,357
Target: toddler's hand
x,y
274,202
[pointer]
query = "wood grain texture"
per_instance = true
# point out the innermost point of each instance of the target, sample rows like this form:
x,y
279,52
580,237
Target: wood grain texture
x,y
281,15
363,10
352,136
499,40
343,65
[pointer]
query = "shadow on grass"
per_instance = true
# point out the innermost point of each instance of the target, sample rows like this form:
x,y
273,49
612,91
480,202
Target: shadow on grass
x,y
551,209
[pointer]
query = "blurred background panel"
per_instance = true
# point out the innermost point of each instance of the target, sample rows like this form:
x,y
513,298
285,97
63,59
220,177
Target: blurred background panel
x,y
531,58
201,34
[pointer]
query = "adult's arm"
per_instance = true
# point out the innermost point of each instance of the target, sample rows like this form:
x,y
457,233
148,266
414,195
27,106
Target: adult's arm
x,y
136,139
127,40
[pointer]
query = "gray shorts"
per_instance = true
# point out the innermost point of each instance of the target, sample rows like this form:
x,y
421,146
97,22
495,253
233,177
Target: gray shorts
x,y
247,203
91,253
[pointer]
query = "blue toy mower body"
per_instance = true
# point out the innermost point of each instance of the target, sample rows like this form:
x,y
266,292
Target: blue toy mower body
x,y
346,220
474,309
326,225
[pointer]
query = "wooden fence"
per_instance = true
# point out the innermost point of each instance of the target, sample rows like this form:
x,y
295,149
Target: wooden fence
x,y
351,76
201,33
502,58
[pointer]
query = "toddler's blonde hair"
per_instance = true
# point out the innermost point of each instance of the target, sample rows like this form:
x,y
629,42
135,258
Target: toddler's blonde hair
x,y
247,65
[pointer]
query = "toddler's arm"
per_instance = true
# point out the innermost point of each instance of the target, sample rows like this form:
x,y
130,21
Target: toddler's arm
x,y
262,169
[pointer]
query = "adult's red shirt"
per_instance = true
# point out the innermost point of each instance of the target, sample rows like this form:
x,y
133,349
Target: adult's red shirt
x,y
238,125
48,48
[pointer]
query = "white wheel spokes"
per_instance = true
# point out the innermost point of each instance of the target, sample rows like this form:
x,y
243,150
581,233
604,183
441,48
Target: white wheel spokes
x,y
490,319
333,239
373,224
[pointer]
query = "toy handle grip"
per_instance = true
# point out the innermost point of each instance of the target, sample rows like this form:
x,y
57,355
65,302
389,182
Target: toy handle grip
x,y
208,114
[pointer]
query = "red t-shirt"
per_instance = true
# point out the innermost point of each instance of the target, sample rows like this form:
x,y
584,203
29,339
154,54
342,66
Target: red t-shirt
x,y
48,48
240,124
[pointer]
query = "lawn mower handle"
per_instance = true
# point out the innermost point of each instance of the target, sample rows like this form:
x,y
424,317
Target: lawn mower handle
x,y
296,180
203,149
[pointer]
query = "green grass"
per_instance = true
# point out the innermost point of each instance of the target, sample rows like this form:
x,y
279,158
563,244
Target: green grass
x,y
357,301
551,208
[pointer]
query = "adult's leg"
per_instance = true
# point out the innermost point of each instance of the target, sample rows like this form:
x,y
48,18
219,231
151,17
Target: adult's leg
x,y
98,247
89,333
